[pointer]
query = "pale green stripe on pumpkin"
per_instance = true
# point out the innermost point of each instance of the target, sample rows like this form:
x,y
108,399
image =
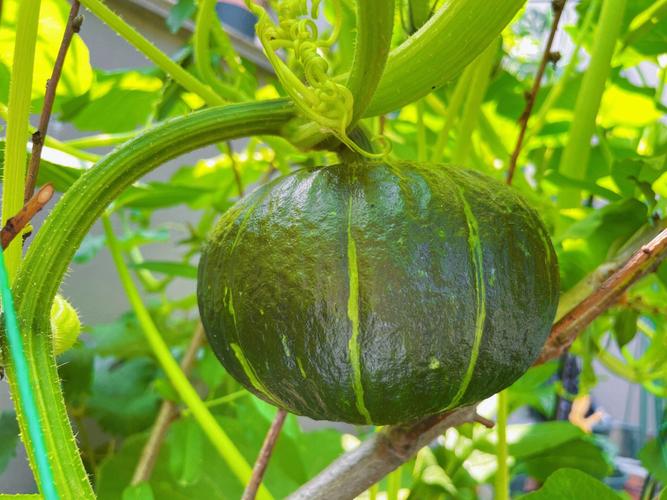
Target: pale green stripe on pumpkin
x,y
250,373
353,315
477,255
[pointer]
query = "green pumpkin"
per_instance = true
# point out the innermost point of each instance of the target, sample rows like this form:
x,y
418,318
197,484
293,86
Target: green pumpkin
x,y
379,293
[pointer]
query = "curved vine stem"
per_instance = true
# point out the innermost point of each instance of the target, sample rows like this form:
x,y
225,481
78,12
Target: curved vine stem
x,y
437,45
53,248
375,21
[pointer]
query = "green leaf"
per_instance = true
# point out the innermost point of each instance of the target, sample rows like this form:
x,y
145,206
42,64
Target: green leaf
x,y
526,440
571,483
625,326
9,437
141,491
534,389
653,458
91,246
581,454
131,95
124,338
186,466
122,401
179,269
161,195
179,13
77,74
76,371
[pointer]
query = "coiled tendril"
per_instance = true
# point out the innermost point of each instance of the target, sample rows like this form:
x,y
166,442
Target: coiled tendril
x,y
321,99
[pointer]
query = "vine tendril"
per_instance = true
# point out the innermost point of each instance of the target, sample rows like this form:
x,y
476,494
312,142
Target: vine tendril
x,y
321,99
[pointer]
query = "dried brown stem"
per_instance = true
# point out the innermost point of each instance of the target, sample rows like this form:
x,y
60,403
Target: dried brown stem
x,y
357,470
264,455
558,7
73,26
166,415
565,331
15,225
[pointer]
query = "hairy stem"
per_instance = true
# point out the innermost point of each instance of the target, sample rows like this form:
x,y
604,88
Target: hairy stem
x,y
577,151
49,255
148,49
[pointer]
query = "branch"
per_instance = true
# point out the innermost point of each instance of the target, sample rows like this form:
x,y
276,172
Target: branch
x,y
165,417
565,331
264,455
73,26
15,225
357,470
558,7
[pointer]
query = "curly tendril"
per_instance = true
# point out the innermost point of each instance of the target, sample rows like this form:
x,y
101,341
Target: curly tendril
x,y
321,99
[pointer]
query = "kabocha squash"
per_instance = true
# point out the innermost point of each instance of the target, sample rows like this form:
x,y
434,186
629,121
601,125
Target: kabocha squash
x,y
374,292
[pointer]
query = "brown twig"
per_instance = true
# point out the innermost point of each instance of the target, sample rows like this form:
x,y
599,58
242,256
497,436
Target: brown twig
x,y
73,26
165,417
355,471
557,6
264,455
565,331
489,424
15,225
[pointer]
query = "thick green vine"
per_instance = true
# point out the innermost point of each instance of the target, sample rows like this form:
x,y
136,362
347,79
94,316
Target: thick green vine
x,y
54,246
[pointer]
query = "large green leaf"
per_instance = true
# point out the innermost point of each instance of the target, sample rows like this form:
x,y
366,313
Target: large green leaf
x,y
77,74
572,484
654,459
582,454
9,436
122,400
118,101
188,466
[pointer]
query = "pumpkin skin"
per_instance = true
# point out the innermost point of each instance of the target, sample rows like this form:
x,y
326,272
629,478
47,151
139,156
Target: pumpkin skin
x,y
379,293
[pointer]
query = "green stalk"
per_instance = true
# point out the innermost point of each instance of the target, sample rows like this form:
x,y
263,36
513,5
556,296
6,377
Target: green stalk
x,y
457,33
20,88
481,76
61,234
421,132
455,103
539,119
222,443
146,47
375,21
100,140
502,473
577,151
394,484
202,53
